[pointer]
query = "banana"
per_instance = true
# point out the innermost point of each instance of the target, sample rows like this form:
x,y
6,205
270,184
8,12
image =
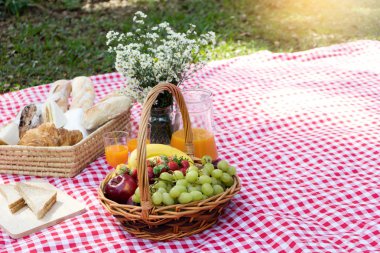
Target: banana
x,y
153,150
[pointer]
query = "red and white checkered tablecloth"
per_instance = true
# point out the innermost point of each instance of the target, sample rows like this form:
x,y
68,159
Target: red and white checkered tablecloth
x,y
302,128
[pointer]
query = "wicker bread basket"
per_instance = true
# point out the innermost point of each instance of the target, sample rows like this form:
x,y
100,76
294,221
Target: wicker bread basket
x,y
65,161
166,222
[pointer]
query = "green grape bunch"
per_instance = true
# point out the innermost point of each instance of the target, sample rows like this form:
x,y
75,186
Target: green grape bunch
x,y
196,184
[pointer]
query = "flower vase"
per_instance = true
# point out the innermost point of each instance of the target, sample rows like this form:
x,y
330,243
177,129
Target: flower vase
x,y
162,124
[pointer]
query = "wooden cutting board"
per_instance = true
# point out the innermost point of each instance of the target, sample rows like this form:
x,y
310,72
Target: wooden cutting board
x,y
24,222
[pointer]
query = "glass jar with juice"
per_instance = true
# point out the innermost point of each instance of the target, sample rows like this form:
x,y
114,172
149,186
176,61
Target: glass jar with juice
x,y
199,105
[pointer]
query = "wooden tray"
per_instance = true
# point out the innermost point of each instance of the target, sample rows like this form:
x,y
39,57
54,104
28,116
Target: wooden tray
x,y
59,161
24,222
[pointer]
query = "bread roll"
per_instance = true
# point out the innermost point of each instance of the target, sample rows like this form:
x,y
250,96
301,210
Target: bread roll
x,y
47,135
60,93
83,93
105,110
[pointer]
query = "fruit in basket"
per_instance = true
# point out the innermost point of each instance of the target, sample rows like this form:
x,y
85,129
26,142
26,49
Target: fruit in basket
x,y
178,175
158,165
223,165
192,176
121,169
231,170
197,184
154,150
172,184
208,168
185,164
185,198
120,188
133,173
157,198
206,159
173,165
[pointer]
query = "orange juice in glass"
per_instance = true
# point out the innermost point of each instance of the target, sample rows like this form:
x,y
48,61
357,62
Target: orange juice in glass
x,y
116,148
199,106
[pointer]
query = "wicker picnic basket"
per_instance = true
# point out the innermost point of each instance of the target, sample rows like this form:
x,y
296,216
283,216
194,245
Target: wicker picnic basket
x,y
65,161
166,222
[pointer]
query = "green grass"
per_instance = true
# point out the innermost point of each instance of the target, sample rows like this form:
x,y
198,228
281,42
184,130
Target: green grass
x,y
58,39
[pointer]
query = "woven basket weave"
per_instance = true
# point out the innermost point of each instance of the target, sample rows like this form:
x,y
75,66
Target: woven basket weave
x,y
166,222
65,161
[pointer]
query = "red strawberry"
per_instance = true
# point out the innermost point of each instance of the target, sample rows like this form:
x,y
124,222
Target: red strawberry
x,y
185,164
184,171
149,163
173,166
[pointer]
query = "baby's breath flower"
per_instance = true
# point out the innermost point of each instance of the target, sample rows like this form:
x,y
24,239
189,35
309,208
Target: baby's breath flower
x,y
151,55
140,14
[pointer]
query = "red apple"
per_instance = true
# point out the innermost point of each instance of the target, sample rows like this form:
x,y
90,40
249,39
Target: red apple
x,y
120,188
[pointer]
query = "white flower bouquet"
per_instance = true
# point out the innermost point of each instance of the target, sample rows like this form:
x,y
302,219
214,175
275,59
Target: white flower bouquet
x,y
153,54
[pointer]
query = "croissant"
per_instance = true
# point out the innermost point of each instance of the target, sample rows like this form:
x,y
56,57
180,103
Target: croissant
x,y
47,135
69,138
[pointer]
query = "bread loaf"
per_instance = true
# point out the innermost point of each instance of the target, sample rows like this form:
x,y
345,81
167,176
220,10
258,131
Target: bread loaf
x,y
29,117
105,110
60,93
83,93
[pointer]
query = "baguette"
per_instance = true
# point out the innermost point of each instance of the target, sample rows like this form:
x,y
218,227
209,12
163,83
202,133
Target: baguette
x,y
60,93
83,93
105,110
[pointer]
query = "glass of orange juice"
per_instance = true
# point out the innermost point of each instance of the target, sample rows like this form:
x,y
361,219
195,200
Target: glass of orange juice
x,y
132,142
116,148
199,105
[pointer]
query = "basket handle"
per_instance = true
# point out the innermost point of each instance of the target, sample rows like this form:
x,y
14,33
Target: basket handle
x,y
143,180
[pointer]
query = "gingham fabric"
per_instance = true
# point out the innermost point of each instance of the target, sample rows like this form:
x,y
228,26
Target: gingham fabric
x,y
302,128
